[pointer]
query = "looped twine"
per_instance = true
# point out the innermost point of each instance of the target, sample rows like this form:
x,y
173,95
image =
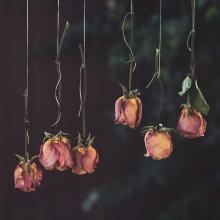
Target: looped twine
x,y
126,42
188,39
82,103
157,68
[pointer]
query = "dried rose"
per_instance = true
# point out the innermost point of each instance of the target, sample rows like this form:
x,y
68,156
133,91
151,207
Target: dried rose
x,y
158,144
27,176
191,123
85,160
128,111
56,153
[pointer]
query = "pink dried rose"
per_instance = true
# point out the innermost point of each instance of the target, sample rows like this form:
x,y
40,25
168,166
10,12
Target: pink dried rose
x,y
158,144
56,153
27,176
85,159
191,123
128,111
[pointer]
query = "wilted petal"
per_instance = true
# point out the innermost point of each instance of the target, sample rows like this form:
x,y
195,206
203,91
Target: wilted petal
x,y
131,110
128,111
139,112
85,160
65,155
203,125
89,160
78,153
22,180
36,175
48,155
119,112
159,145
191,123
27,177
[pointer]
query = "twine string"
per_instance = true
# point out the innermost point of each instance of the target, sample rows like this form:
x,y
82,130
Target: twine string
x,y
83,75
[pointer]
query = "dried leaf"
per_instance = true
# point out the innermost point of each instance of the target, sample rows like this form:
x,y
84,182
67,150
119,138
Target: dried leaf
x,y
198,101
186,85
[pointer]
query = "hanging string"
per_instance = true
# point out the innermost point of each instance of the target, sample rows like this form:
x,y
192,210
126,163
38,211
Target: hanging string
x,y
83,75
58,24
191,37
160,39
132,61
193,40
26,93
58,88
159,67
157,74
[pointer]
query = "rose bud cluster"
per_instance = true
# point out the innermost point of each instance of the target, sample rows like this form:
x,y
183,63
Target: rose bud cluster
x,y
128,109
158,142
55,152
27,176
85,157
191,123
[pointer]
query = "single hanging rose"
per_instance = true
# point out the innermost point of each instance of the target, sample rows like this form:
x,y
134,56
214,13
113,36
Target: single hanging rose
x,y
85,157
158,142
191,123
128,109
27,176
55,152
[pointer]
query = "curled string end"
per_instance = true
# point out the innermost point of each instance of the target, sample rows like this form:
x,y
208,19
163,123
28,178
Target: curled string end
x,y
57,121
125,40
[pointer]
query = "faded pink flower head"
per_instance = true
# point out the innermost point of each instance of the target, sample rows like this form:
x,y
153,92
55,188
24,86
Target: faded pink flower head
x,y
27,176
85,160
191,123
56,153
128,111
158,144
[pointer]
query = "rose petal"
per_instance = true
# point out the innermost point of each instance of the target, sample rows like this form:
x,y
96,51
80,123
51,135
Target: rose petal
x,y
27,177
36,175
139,115
159,145
78,168
119,113
89,159
191,124
65,156
48,155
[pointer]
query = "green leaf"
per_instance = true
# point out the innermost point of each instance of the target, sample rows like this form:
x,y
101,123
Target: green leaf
x,y
186,85
198,101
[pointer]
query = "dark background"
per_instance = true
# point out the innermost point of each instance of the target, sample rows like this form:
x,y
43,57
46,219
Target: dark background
x,y
126,185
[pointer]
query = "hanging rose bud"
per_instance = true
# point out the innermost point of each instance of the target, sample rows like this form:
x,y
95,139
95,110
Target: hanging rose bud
x,y
128,109
158,143
191,123
55,152
85,157
27,176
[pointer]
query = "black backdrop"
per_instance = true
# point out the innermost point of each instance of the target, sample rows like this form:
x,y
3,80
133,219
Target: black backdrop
x,y
125,185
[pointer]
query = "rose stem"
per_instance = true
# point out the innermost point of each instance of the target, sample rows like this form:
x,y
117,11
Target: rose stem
x,y
193,40
26,93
